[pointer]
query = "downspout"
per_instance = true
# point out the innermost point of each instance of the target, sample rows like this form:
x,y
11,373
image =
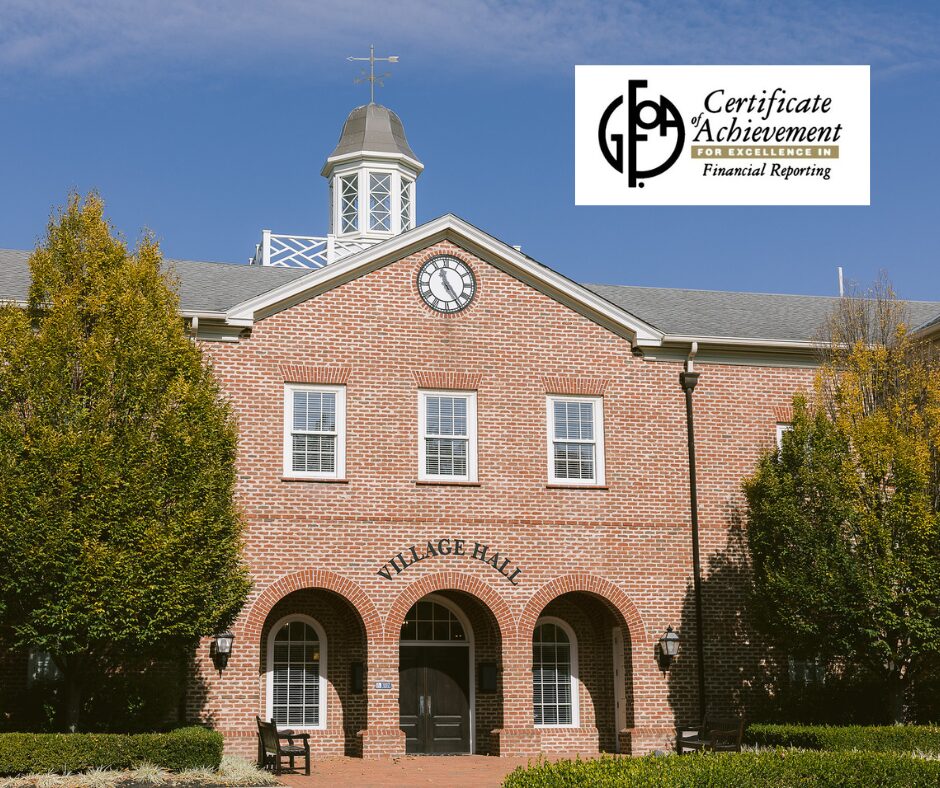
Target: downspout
x,y
688,378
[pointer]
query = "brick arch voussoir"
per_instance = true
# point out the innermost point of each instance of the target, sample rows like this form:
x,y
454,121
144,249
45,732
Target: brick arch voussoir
x,y
450,581
311,578
590,584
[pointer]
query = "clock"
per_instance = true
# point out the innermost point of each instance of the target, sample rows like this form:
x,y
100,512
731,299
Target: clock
x,y
446,284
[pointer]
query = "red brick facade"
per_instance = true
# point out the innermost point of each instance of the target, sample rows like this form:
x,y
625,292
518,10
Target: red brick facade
x,y
600,558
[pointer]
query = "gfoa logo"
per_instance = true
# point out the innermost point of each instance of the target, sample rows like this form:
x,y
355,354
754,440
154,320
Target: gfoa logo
x,y
641,117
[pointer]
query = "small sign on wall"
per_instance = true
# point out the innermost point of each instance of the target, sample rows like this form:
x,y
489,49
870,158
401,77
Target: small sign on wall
x,y
383,685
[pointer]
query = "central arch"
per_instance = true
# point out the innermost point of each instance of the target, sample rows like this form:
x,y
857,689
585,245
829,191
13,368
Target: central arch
x,y
443,581
459,663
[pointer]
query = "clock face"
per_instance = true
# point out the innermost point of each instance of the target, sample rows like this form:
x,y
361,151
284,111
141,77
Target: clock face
x,y
446,284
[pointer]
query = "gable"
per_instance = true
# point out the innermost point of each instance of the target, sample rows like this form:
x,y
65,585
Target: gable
x,y
464,236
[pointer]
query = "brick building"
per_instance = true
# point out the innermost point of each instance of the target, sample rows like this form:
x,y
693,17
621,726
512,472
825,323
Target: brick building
x,y
464,479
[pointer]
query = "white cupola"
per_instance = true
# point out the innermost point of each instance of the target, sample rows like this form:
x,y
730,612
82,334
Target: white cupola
x,y
372,173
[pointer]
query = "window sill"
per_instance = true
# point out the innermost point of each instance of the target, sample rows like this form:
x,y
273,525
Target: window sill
x,y
315,480
557,486
556,727
443,483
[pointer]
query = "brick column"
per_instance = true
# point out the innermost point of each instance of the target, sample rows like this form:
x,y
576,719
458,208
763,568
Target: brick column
x,y
518,737
382,736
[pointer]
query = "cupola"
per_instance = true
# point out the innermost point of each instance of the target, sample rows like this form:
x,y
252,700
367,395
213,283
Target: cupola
x,y
372,173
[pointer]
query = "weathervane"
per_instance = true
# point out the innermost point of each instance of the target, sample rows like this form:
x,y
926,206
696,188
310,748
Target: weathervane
x,y
371,77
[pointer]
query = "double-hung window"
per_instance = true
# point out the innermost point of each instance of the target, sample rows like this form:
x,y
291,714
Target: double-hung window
x,y
315,431
447,441
576,440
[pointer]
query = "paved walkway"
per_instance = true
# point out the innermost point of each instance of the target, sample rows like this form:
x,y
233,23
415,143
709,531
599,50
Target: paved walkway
x,y
453,771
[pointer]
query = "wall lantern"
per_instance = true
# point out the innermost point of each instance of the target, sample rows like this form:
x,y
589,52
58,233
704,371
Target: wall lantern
x,y
222,648
668,648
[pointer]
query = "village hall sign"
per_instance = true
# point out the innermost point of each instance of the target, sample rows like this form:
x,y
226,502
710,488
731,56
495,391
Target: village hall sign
x,y
454,548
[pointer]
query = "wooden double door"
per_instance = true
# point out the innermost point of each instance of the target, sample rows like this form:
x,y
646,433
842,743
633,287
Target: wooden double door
x,y
434,699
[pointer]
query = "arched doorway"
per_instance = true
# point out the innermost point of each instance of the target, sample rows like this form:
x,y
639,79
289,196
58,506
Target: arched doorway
x,y
436,678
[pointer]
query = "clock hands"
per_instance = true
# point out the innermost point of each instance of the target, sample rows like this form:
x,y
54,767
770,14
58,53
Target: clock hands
x,y
447,285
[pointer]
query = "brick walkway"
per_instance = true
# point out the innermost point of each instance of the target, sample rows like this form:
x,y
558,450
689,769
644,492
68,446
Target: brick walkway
x,y
455,771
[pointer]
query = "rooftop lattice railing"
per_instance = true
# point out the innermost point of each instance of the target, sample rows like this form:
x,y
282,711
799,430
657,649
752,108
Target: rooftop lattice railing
x,y
304,251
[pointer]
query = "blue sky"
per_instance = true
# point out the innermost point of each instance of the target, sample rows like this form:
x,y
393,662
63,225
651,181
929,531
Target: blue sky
x,y
206,121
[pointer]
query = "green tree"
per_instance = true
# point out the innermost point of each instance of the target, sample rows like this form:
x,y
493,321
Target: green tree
x,y
844,520
118,527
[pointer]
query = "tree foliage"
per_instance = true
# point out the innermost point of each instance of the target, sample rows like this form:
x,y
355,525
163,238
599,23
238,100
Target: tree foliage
x,y
844,520
118,527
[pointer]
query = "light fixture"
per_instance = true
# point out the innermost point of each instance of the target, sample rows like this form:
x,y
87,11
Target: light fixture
x,y
222,648
668,648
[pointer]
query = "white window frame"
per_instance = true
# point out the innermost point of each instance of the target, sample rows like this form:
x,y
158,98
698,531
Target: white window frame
x,y
405,196
354,179
471,475
575,683
340,470
392,184
599,479
782,427
269,668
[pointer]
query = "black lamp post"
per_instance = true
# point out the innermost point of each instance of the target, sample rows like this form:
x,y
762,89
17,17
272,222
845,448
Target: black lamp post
x,y
222,648
687,379
668,648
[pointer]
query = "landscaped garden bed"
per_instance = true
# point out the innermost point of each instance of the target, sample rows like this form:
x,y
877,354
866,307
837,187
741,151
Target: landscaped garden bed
x,y
183,757
768,769
835,738
232,771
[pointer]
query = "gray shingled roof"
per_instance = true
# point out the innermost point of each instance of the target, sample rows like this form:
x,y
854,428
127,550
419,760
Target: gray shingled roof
x,y
930,324
204,287
714,313
215,287
373,127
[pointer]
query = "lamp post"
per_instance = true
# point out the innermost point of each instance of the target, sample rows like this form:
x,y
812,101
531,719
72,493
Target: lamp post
x,y
222,648
688,378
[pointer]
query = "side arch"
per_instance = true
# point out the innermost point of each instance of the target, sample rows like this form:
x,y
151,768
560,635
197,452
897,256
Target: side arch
x,y
590,584
449,581
311,578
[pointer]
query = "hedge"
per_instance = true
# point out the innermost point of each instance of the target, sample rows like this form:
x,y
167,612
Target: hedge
x,y
770,769
873,738
40,753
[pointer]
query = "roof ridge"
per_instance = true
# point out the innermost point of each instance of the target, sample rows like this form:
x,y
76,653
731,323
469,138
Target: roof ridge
x,y
740,292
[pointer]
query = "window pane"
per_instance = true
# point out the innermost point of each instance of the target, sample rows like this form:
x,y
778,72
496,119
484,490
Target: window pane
x,y
314,453
431,621
445,457
446,415
380,202
349,203
295,697
574,420
314,411
405,204
574,460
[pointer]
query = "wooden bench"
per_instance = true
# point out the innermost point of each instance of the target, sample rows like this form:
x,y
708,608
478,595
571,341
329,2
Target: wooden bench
x,y
711,736
271,750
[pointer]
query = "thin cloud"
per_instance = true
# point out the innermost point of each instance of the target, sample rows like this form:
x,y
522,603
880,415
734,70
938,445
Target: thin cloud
x,y
116,40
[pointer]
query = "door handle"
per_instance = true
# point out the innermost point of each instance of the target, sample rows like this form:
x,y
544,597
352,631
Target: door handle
x,y
421,705
429,706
